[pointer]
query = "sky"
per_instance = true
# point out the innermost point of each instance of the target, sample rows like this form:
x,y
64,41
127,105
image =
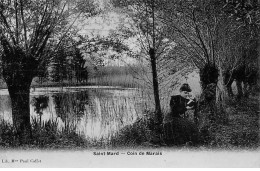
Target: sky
x,y
102,25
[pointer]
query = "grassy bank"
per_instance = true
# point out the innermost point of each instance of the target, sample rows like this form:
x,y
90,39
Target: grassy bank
x,y
124,81
44,136
50,84
241,132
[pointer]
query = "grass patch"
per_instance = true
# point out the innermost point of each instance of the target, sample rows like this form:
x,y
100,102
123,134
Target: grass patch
x,y
44,136
177,132
136,134
242,130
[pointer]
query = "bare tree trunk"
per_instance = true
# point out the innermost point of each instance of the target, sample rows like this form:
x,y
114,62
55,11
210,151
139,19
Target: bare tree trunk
x,y
228,80
158,111
258,54
239,89
229,90
258,79
20,96
221,98
18,72
246,89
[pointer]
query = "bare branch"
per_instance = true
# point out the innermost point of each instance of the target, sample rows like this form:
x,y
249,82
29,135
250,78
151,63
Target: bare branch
x,y
16,21
7,26
200,37
24,26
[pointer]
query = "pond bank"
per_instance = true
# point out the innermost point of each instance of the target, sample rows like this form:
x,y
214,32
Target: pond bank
x,y
70,84
52,84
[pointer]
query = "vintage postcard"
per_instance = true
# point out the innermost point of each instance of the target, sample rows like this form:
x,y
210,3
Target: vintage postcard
x,y
120,83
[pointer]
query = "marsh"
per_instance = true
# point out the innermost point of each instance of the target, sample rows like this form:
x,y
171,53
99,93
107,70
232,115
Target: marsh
x,y
94,111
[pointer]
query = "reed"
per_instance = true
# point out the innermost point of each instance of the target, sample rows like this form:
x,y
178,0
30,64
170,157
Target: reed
x,y
44,135
124,76
114,112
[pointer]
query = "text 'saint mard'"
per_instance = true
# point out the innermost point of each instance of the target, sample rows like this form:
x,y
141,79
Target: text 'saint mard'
x,y
131,153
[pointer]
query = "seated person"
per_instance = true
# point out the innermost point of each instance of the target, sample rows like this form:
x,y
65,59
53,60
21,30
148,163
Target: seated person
x,y
179,104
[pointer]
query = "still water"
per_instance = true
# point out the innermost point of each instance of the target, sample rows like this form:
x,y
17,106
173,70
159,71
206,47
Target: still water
x,y
96,112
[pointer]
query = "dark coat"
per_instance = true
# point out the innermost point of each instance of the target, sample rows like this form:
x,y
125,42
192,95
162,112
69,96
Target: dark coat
x,y
178,105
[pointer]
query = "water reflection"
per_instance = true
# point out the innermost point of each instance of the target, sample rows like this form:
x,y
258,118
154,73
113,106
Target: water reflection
x,y
70,107
40,103
96,113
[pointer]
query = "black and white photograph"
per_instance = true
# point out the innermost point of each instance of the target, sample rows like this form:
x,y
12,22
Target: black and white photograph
x,y
129,83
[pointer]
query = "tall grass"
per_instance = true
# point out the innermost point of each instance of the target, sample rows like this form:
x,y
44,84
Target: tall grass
x,y
113,114
44,135
242,132
124,76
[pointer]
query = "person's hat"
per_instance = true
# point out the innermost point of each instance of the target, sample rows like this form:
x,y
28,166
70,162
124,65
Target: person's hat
x,y
185,87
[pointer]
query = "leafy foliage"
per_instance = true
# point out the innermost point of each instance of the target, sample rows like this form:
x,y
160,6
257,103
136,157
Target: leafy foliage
x,y
244,11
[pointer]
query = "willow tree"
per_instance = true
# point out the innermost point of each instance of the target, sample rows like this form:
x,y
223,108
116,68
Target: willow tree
x,y
209,37
142,24
26,27
247,13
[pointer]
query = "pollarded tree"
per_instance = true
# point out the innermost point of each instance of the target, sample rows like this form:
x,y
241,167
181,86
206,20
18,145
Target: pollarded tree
x,y
208,36
26,26
193,26
247,13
